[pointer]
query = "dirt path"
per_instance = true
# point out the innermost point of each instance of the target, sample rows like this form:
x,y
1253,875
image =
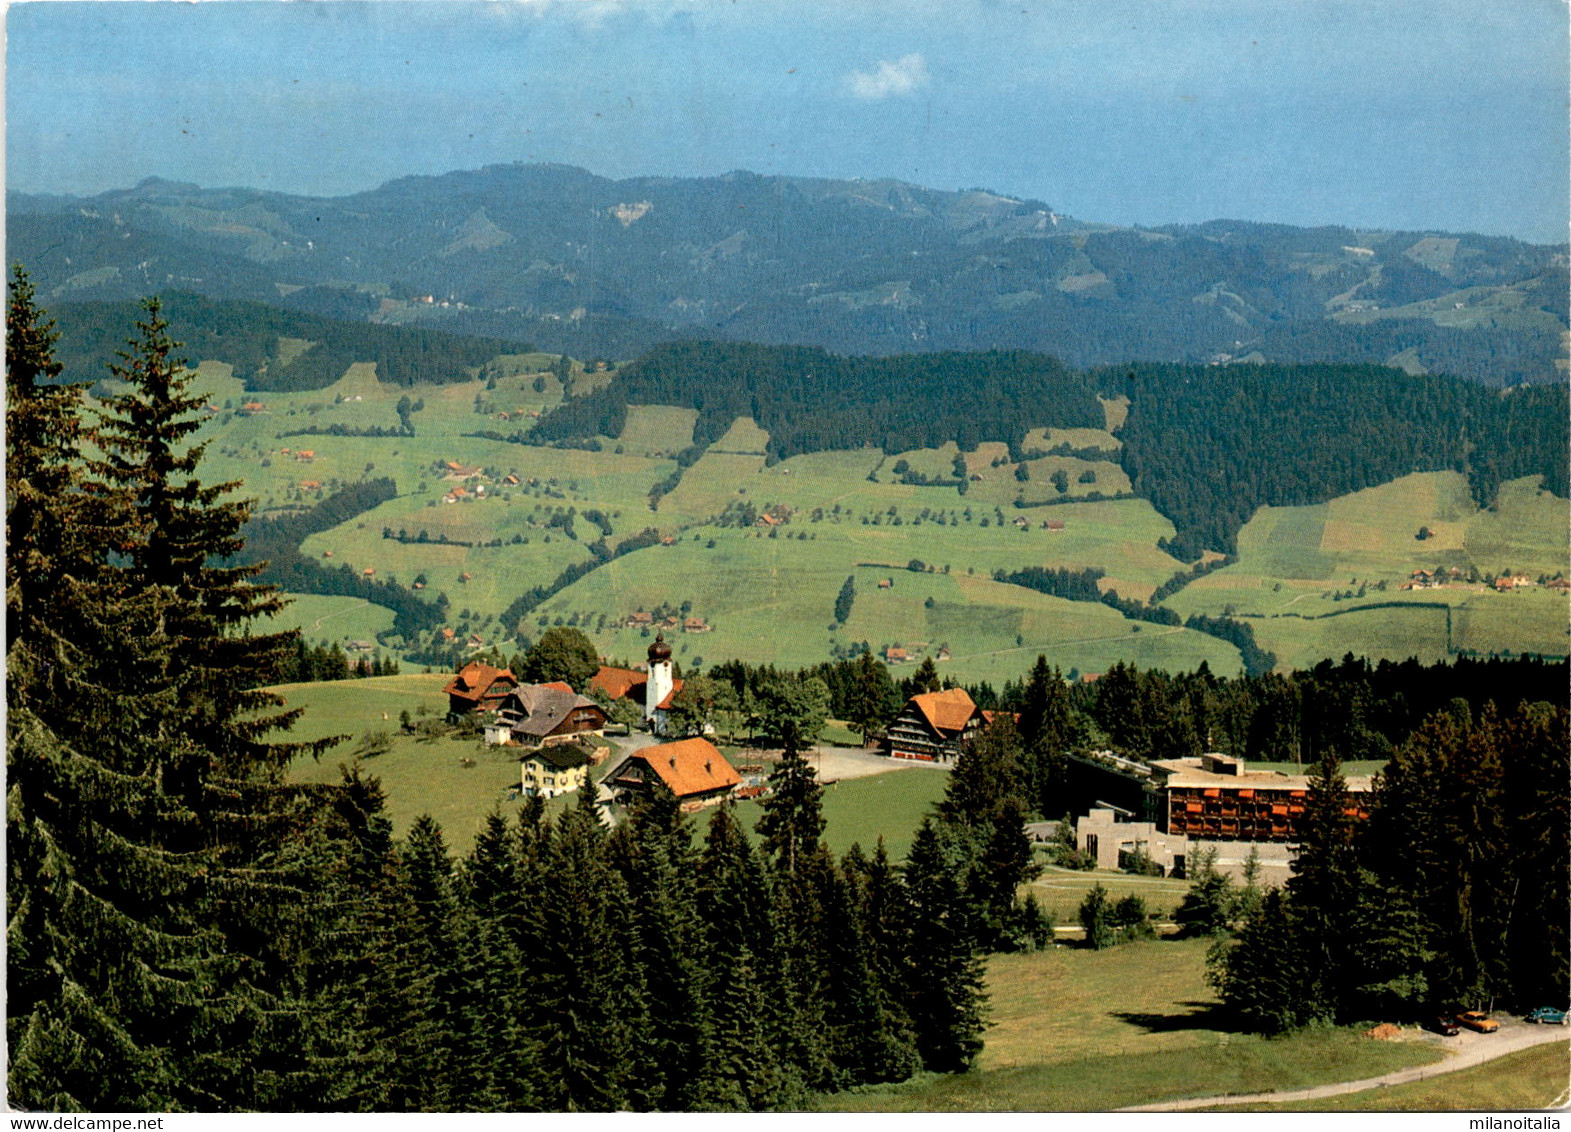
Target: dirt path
x,y
1463,1051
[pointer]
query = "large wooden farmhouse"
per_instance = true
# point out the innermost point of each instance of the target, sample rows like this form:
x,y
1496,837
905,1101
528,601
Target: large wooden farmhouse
x,y
932,726
479,687
693,769
539,713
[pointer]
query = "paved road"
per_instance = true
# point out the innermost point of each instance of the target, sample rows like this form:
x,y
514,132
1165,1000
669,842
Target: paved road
x,y
1465,1050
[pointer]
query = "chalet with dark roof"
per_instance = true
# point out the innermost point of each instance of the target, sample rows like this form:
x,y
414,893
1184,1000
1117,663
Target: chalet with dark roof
x,y
478,687
692,769
932,726
536,714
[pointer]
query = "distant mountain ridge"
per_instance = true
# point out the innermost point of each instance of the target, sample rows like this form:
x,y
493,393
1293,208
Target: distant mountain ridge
x,y
572,261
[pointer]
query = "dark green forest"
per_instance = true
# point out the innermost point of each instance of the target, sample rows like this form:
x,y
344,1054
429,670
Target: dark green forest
x,y
245,335
1210,445
812,401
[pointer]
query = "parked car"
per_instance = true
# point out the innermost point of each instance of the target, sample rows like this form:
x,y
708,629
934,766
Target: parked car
x,y
1547,1015
1477,1020
1442,1026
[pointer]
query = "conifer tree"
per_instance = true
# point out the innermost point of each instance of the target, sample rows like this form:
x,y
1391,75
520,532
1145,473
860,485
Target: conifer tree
x,y
180,531
590,1002
793,820
653,852
944,979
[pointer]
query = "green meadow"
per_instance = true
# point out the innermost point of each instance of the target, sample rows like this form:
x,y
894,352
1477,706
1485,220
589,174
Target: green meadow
x,y
1075,1030
1535,1078
1304,579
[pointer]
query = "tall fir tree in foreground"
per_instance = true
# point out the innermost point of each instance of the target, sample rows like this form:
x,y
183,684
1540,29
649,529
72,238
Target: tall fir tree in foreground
x,y
144,967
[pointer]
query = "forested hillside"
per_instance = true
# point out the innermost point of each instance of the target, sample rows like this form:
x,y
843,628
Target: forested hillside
x,y
1210,445
246,335
812,401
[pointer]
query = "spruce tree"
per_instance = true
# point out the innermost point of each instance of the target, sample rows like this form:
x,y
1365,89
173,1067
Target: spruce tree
x,y
590,1001
944,995
793,820
181,530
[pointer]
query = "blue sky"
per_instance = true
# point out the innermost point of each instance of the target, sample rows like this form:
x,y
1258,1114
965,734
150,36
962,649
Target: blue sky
x,y
1384,113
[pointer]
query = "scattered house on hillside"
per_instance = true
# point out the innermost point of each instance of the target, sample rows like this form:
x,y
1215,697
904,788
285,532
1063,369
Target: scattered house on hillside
x,y
533,714
465,576
943,654
306,455
668,540
327,554
478,687
455,495
692,769
1505,585
446,633
695,625
310,485
1021,521
932,726
1561,584
476,641
1054,524
552,770
251,407
894,654
368,572
886,583
639,620
511,480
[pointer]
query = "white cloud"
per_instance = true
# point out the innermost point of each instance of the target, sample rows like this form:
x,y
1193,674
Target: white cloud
x,y
904,76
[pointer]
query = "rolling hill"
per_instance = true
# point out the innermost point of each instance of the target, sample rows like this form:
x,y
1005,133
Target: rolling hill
x,y
600,268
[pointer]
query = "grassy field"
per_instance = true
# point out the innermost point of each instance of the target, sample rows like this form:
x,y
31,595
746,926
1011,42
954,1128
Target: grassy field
x,y
861,810
1060,891
1079,1030
1297,565
770,598
333,620
1534,1078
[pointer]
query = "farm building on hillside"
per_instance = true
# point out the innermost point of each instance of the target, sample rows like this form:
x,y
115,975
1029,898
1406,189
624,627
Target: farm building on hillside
x,y
692,769
553,770
932,726
478,687
539,713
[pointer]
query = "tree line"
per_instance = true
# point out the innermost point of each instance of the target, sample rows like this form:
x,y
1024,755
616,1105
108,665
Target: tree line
x,y
245,334
1210,445
1451,894
813,401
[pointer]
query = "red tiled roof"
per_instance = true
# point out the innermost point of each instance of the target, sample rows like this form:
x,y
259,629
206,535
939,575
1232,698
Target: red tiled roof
x,y
617,682
691,766
949,710
475,679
